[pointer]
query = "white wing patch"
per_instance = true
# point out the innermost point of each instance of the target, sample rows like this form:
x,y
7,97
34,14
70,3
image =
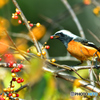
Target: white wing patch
x,y
91,43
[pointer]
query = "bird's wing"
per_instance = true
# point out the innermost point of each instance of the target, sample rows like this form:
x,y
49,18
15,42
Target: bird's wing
x,y
86,42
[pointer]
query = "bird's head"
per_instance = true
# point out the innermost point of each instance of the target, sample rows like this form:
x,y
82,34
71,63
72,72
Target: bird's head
x,y
64,36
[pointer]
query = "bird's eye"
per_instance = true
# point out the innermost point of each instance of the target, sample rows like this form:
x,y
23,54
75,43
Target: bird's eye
x,y
61,34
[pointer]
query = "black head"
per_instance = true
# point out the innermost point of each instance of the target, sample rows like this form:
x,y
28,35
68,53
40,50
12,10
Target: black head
x,y
64,36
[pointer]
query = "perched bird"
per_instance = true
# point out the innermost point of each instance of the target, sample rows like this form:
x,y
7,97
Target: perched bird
x,y
78,47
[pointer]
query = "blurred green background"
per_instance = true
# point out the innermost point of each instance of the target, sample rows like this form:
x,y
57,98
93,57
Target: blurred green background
x,y
48,87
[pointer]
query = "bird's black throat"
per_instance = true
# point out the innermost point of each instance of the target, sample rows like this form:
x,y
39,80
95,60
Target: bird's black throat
x,y
65,40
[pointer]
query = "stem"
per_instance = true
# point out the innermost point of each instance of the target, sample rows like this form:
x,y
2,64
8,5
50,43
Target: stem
x,y
67,5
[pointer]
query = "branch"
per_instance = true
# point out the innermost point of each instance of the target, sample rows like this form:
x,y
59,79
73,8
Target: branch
x,y
74,17
22,87
28,26
61,75
98,40
66,67
71,78
21,35
64,58
95,2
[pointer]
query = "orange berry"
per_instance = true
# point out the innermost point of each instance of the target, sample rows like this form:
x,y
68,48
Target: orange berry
x,y
5,89
53,60
8,89
7,98
13,95
38,54
28,21
16,78
42,47
77,82
17,9
12,89
96,11
13,85
43,52
45,43
13,74
38,24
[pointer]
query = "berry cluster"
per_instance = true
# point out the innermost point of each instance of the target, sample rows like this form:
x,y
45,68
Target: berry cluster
x,y
16,16
9,92
44,52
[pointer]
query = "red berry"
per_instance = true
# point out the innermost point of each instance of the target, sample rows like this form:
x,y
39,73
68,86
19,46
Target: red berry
x,y
12,71
6,55
51,37
17,95
47,47
18,81
31,24
13,79
18,12
20,66
11,64
28,51
16,69
0,59
1,98
15,17
22,80
19,21
10,94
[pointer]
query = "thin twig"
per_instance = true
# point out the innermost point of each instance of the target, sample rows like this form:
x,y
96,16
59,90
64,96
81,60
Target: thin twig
x,y
22,87
15,45
65,2
27,54
95,2
98,40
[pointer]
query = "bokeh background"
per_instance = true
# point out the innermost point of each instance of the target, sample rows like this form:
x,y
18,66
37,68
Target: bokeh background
x,y
53,15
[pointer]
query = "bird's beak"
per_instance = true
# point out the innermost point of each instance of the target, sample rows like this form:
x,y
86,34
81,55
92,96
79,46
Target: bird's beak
x,y
54,36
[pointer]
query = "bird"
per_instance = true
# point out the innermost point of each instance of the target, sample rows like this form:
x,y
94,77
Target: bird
x,y
80,48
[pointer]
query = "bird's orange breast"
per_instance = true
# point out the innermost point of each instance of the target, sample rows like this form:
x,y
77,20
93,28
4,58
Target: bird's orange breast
x,y
81,51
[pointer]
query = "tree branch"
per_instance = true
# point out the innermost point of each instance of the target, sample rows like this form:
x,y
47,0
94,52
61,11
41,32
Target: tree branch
x,y
71,78
65,2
